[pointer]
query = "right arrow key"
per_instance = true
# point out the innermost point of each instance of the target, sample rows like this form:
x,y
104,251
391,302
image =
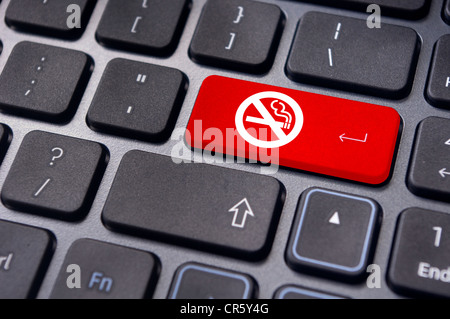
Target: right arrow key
x,y
429,170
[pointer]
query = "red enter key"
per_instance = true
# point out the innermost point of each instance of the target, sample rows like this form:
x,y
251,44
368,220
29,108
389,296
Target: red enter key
x,y
310,132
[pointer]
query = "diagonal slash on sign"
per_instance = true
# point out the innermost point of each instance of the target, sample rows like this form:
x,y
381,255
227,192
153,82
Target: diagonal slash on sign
x,y
267,119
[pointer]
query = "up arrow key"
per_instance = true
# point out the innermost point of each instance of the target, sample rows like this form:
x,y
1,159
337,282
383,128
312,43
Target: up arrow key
x,y
335,219
247,211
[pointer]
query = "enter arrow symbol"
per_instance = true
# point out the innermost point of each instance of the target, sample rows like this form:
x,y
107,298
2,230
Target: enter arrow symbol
x,y
241,209
342,137
444,172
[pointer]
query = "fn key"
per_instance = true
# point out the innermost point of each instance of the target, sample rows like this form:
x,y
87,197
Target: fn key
x,y
105,271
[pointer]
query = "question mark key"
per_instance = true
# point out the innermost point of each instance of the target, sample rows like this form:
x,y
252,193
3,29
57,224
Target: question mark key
x,y
54,175
58,153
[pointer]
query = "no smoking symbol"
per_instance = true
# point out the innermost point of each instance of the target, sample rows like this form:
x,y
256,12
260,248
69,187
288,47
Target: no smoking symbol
x,y
282,106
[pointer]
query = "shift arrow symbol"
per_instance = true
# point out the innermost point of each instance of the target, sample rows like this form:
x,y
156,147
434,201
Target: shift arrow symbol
x,y
241,209
444,172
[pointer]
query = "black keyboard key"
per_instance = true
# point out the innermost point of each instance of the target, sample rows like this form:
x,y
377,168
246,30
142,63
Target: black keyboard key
x,y
54,175
58,18
447,12
195,281
25,253
146,26
106,271
137,100
43,82
429,170
420,258
5,139
237,34
333,234
343,53
201,206
294,292
404,9
438,88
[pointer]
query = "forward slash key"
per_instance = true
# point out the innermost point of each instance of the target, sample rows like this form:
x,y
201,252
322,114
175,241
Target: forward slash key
x,y
42,187
66,190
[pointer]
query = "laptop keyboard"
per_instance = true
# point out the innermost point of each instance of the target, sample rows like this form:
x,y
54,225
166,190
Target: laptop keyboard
x,y
224,149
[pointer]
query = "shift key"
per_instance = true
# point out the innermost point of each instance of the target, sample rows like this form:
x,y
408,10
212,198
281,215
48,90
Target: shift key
x,y
197,205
